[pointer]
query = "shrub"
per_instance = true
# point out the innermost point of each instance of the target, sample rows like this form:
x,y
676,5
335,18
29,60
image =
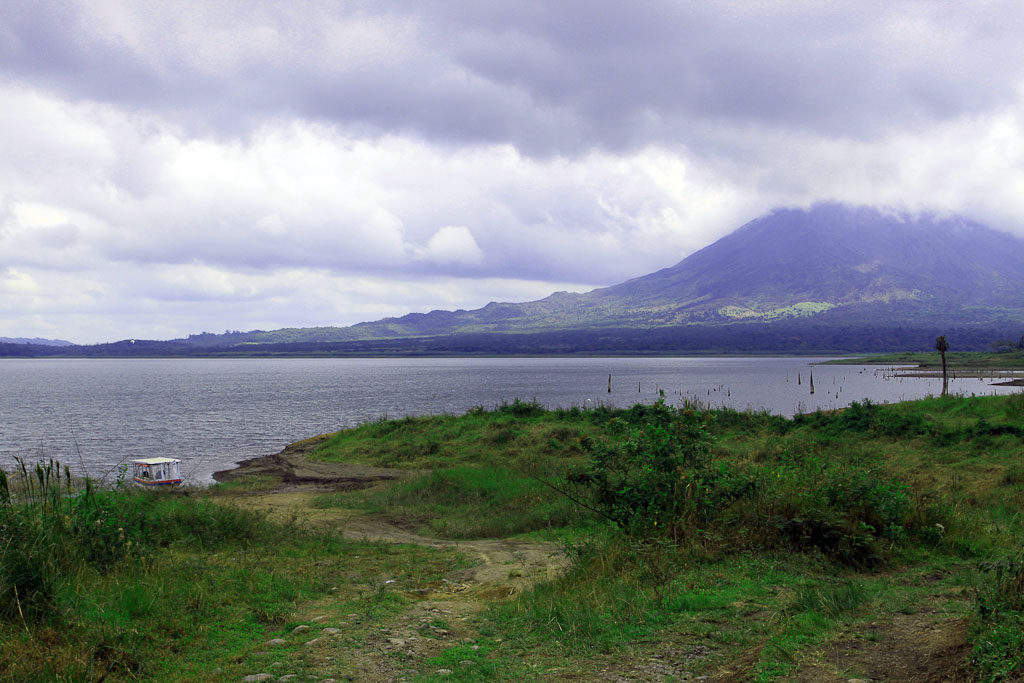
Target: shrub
x,y
655,478
653,474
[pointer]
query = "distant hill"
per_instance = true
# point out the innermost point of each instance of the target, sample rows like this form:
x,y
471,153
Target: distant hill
x,y
38,341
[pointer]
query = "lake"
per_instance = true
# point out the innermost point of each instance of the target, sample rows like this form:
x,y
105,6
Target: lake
x,y
95,414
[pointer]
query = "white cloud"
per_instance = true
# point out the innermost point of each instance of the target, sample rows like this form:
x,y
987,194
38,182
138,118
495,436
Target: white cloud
x,y
452,245
172,167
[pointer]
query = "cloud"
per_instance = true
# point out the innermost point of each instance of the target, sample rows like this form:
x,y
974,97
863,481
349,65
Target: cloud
x,y
548,78
180,166
452,245
135,191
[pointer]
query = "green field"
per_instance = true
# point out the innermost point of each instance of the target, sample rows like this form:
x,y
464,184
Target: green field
x,y
874,542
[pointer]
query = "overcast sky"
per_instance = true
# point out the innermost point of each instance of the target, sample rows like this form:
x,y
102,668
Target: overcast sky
x,y
177,167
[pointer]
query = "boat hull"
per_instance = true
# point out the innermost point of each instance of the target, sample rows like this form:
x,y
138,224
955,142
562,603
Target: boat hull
x,y
151,484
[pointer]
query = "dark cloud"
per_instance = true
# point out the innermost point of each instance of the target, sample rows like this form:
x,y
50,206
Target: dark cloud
x,y
549,78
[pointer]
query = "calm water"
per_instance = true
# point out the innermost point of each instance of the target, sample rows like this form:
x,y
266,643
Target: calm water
x,y
213,413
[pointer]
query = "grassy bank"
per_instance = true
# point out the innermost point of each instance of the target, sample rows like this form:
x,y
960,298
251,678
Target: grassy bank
x,y
960,360
743,546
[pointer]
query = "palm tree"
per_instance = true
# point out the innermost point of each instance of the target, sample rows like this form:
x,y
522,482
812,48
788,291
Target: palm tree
x,y
941,345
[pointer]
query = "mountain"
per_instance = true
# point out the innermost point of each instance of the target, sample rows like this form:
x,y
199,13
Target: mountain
x,y
829,278
38,341
840,259
833,263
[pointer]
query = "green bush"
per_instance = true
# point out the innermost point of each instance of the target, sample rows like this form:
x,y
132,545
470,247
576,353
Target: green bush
x,y
652,478
655,478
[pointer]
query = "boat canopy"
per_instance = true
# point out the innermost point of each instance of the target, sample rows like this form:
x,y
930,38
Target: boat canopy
x,y
156,470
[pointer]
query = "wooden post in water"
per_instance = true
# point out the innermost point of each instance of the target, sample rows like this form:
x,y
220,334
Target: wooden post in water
x,y
609,384
812,382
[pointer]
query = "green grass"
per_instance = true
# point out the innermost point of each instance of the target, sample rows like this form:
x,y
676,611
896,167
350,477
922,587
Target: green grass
x,y
467,502
827,528
143,585
512,434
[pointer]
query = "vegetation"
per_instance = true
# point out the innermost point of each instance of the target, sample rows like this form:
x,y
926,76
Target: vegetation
x,y
875,333
1006,359
737,544
127,585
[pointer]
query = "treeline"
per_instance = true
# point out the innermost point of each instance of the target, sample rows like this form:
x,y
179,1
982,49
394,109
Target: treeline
x,y
786,337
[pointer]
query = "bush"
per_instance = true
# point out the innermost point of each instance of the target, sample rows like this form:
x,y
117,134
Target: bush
x,y
868,417
656,479
653,474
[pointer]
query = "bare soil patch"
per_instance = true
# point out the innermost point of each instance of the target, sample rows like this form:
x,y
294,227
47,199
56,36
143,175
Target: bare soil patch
x,y
296,472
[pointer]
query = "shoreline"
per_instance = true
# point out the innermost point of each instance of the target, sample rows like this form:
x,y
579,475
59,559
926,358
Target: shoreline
x,y
291,471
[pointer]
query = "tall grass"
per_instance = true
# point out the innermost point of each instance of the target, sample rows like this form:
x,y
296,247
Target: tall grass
x,y
998,631
51,533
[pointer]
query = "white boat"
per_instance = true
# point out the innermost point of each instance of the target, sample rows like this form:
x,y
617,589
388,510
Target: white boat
x,y
153,472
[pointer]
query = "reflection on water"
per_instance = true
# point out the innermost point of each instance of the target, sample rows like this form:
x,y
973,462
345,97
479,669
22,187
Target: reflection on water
x,y
212,413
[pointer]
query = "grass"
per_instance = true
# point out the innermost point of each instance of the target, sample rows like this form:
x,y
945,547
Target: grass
x,y
128,585
467,502
513,434
981,360
873,525
938,481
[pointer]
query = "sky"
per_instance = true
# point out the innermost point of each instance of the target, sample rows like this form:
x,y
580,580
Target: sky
x,y
169,168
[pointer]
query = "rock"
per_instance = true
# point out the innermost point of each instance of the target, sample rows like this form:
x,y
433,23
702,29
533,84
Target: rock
x,y
311,642
474,647
287,677
326,680
444,672
256,678
397,642
319,620
277,642
301,628
467,662
330,631
276,665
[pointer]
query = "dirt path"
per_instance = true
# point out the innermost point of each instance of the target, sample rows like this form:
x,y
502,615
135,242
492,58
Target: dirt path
x,y
439,616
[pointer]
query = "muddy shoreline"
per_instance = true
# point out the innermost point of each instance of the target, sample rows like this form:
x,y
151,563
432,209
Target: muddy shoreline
x,y
294,471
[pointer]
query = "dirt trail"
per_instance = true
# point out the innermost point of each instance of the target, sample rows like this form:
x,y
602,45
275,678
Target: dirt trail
x,y
504,564
439,616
